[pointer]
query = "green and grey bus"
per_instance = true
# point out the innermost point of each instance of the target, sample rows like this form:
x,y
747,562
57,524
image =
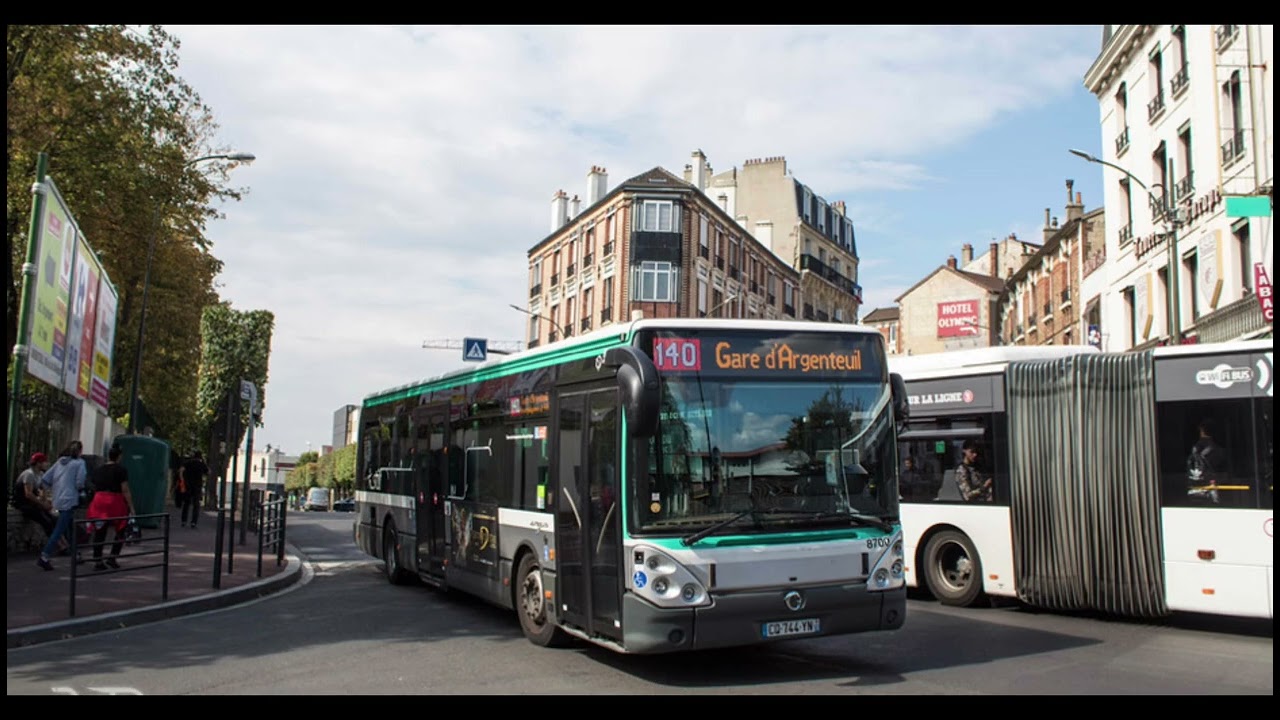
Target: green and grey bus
x,y
655,486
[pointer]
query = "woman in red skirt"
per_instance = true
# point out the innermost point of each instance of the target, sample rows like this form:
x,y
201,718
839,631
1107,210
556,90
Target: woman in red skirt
x,y
112,505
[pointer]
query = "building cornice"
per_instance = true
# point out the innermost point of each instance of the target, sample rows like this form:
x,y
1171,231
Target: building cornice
x,y
1115,57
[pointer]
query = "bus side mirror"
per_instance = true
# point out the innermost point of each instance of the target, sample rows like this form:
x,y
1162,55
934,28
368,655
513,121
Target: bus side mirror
x,y
901,408
638,383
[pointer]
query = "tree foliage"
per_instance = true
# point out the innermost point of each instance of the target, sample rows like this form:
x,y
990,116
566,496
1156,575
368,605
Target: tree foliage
x,y
236,346
119,127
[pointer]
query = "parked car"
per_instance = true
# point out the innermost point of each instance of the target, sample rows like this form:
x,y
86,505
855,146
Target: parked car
x,y
345,505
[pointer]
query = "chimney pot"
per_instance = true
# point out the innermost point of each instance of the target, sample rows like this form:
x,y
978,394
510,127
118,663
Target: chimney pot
x,y
995,257
951,261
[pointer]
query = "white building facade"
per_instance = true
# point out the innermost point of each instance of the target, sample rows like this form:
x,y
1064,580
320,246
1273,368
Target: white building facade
x,y
1188,111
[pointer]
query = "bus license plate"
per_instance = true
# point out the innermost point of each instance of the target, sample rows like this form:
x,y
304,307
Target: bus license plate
x,y
792,627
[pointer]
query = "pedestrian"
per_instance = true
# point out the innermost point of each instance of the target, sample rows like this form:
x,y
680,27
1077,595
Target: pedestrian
x,y
112,506
66,480
192,475
28,500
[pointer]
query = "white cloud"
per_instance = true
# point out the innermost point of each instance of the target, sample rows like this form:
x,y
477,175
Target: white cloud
x,y
404,172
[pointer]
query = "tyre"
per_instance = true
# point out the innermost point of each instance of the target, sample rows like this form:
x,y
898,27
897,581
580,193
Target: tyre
x,y
532,607
396,575
952,569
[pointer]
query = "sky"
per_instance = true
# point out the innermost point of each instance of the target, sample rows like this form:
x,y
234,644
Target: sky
x,y
403,172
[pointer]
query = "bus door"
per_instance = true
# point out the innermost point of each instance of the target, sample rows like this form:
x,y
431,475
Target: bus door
x,y
430,471
588,511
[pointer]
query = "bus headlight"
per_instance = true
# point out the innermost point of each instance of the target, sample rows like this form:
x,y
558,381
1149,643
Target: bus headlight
x,y
896,569
661,580
881,578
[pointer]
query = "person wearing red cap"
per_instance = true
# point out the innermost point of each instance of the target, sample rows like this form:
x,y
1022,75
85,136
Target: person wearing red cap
x,y
27,498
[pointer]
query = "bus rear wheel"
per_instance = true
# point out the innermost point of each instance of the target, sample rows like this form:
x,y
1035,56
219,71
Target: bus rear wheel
x,y
532,606
395,574
952,569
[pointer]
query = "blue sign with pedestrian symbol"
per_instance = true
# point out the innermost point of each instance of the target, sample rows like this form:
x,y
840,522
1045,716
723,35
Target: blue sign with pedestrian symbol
x,y
475,349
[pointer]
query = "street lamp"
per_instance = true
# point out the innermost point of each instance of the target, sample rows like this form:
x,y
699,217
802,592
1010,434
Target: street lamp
x,y
530,313
721,304
146,285
1170,216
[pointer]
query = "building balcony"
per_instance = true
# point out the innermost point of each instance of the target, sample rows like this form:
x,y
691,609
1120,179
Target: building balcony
x,y
1066,299
555,279
1231,322
704,252
771,299
808,312
1233,148
1183,188
1048,311
568,331
535,291
607,250
570,270
821,316
588,260
585,325
1225,34
733,273
1155,108
720,263
606,315
1122,141
755,287
1181,80
1126,234
789,310
533,343
552,337
1031,323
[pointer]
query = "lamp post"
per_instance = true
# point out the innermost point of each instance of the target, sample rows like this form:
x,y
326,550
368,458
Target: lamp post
x,y
530,313
1170,216
146,285
721,304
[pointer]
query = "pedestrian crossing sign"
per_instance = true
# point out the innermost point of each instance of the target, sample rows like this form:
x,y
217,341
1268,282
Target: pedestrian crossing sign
x,y
475,349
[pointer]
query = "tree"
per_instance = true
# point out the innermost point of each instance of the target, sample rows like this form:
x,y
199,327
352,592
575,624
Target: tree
x,y
235,346
118,124
309,456
344,469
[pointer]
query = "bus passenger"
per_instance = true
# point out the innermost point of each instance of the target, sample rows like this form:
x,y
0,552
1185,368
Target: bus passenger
x,y
912,483
974,484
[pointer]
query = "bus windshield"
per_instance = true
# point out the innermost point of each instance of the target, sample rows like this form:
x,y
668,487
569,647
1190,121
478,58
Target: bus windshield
x,y
784,447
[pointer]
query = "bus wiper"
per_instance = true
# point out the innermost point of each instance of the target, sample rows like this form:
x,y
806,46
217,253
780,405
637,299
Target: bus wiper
x,y
688,540
856,518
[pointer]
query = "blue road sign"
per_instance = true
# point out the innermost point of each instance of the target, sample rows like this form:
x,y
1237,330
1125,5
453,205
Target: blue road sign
x,y
475,349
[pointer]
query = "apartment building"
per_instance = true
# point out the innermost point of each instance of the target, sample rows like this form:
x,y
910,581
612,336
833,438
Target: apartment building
x,y
814,236
654,245
1040,304
886,321
1187,120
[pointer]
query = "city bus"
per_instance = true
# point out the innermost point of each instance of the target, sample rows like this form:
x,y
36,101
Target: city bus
x,y
654,486
1095,503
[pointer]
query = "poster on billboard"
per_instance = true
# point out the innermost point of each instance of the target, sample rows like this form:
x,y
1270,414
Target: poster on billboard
x,y
84,292
958,318
54,255
104,338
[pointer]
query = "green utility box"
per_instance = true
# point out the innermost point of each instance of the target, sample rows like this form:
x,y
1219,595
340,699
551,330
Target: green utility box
x,y
147,460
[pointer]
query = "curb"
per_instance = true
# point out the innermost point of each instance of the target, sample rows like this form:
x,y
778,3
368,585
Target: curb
x,y
122,619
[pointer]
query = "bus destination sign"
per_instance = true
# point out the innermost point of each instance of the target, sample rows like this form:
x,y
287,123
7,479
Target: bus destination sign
x,y
795,355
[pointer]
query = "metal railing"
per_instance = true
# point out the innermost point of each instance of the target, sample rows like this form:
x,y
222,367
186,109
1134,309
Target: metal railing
x,y
1155,107
1233,148
87,527
1180,81
1122,140
1224,35
272,515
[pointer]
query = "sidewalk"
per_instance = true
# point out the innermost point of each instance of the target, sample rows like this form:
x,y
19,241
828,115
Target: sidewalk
x,y
39,601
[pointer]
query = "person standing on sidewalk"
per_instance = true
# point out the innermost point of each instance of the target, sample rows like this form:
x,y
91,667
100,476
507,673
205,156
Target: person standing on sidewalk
x,y
192,477
66,478
112,505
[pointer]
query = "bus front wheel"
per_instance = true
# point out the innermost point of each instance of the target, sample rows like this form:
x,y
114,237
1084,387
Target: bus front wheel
x,y
395,574
533,608
953,569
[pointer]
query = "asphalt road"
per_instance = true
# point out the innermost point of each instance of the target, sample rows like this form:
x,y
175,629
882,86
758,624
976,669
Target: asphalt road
x,y
346,631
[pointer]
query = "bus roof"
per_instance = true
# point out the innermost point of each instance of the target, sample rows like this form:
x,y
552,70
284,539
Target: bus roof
x,y
1260,345
978,360
616,334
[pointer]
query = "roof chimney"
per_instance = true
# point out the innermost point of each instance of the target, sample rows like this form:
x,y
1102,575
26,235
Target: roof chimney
x,y
995,258
966,254
597,185
838,206
951,261
559,210
1074,209
575,206
1049,230
699,170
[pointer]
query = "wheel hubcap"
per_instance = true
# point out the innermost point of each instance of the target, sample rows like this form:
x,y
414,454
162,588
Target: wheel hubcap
x,y
531,597
956,567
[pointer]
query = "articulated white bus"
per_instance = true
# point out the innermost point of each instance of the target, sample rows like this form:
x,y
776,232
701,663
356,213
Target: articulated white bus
x,y
1097,501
